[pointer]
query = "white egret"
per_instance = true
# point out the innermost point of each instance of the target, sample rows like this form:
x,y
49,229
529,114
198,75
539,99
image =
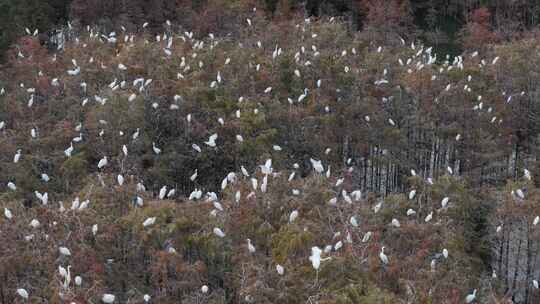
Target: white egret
x,y
366,237
120,179
280,270
520,194
102,162
250,246
155,148
34,223
212,140
470,297
377,207
317,165
219,232
383,257
357,195
22,293
17,156
68,151
527,174
429,217
293,216
412,194
353,221
162,192
8,214
444,202
149,221
196,148
78,280
12,186
315,257
64,251
193,177
108,298
135,134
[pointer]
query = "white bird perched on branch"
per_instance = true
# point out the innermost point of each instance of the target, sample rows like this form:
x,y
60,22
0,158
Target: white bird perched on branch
x,y
64,251
366,237
317,165
280,270
102,162
195,195
156,150
193,177
357,195
353,221
527,174
293,216
383,257
520,194
8,214
315,257
149,221
412,194
34,224
12,186
17,156
196,148
212,140
429,217
162,192
219,232
470,297
22,293
120,179
204,289
108,298
444,202
251,248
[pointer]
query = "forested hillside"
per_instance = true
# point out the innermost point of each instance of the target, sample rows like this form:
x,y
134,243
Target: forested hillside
x,y
219,153
439,22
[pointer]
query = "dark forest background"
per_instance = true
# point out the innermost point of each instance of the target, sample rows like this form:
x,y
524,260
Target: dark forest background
x,y
437,22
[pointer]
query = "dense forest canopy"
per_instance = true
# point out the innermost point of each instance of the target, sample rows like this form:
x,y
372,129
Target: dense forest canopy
x,y
269,152
437,22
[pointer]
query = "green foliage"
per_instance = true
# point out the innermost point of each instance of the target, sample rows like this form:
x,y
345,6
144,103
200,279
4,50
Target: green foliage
x,y
361,294
290,241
